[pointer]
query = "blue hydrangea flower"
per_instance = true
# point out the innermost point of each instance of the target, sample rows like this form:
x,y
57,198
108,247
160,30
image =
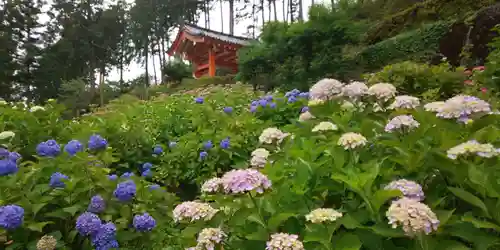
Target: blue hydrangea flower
x,y
304,109
147,173
304,95
228,110
73,147
199,100
14,156
96,142
172,144
97,204
268,98
292,99
203,155
56,180
154,187
4,152
208,145
125,191
11,216
225,143
48,148
105,237
112,177
88,223
147,165
144,222
254,103
157,150
7,167
127,175
263,102
253,109
272,105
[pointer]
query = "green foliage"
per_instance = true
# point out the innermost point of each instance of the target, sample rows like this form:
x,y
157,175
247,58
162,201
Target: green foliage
x,y
427,81
175,71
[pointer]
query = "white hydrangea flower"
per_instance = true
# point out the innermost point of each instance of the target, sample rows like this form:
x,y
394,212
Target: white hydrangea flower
x,y
283,241
401,122
325,89
271,135
259,157
7,135
433,106
414,216
321,215
405,102
208,238
211,186
324,126
462,106
306,116
193,211
346,105
382,91
473,147
351,140
354,90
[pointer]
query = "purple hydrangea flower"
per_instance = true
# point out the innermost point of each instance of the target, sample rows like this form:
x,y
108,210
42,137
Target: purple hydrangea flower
x,y
97,204
147,166
254,103
105,237
304,109
224,144
112,177
147,173
14,156
96,142
48,148
410,189
56,180
244,180
88,223
304,95
253,109
125,191
199,100
228,110
157,150
4,152
272,105
268,98
203,155
73,147
11,216
208,145
292,99
7,167
144,222
263,102
127,175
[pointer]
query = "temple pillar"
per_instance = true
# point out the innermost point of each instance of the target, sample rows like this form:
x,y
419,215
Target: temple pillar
x,y
211,62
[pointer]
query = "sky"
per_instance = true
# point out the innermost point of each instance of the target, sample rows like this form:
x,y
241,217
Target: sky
x,y
135,69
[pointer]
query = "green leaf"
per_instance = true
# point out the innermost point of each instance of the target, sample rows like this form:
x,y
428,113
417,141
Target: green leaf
x,y
72,210
260,235
480,223
383,229
275,221
444,216
256,218
382,196
470,198
38,227
37,207
347,241
190,232
452,245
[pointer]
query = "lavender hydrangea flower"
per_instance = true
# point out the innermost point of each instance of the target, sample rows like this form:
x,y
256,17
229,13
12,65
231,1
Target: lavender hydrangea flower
x,y
414,216
244,180
88,223
147,166
4,152
228,110
254,103
203,155
147,173
48,148
225,143
282,241
402,123
112,177
97,204
56,180
272,105
125,191
253,109
263,102
96,142
11,216
127,175
304,95
304,109
73,147
410,189
144,222
292,99
105,237
199,100
14,156
7,167
157,150
208,145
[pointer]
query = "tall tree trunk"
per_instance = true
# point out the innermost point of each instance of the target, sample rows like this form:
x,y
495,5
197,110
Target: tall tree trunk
x,y
301,11
231,17
153,61
263,14
290,3
275,11
285,8
269,9
146,63
101,84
